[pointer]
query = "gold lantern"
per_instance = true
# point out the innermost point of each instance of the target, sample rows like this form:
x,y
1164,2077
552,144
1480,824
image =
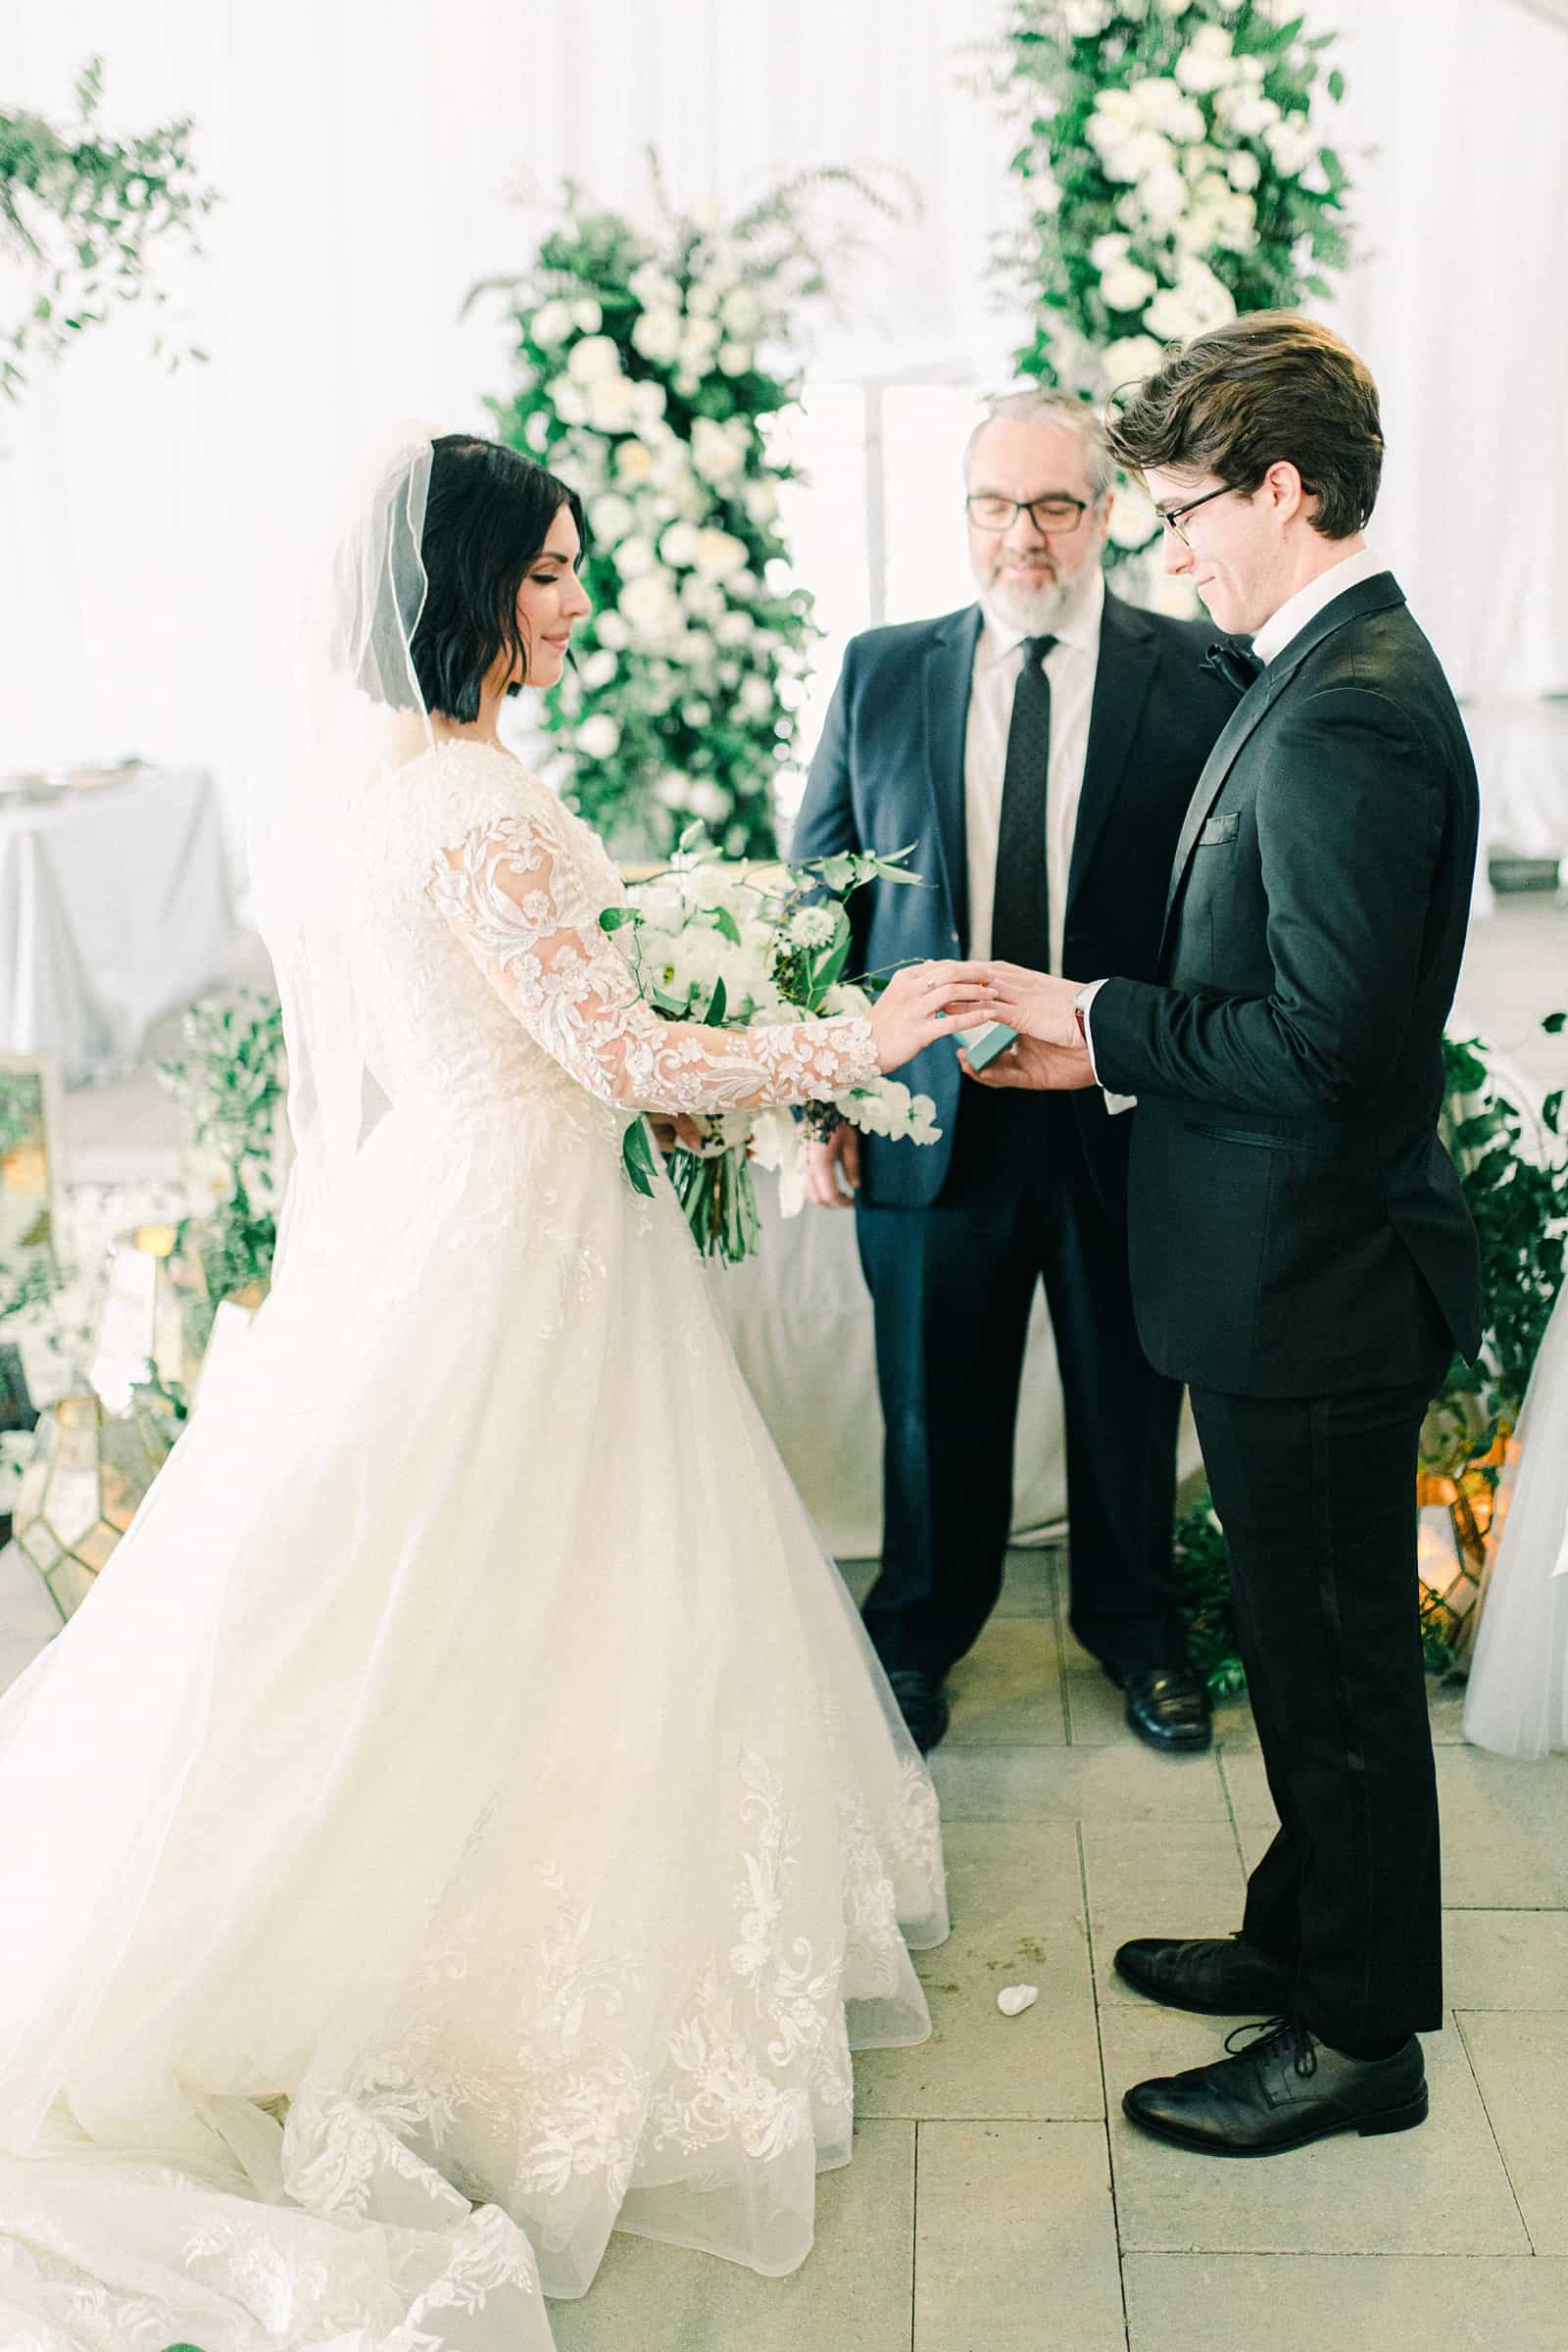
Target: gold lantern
x,y
79,1492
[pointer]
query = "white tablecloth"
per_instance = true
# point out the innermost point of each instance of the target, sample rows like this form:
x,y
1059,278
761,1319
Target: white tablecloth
x,y
115,904
800,1318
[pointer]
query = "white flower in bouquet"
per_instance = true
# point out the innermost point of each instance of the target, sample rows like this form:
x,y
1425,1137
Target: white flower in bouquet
x,y
634,461
1130,358
612,631
720,555
599,737
1127,288
551,323
594,359
610,516
634,558
734,358
657,334
813,926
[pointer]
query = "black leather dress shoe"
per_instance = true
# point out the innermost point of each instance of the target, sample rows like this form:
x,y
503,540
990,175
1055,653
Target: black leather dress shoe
x,y
1284,2091
1218,1976
1168,1707
923,1704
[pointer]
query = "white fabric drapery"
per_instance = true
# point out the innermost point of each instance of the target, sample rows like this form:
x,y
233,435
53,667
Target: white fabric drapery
x,y
365,148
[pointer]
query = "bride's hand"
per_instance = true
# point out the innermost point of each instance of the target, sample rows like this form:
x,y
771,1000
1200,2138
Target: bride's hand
x,y
1035,1003
922,1005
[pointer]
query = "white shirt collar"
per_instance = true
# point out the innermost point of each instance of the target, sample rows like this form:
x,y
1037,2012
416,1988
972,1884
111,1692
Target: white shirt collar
x,y
1077,624
1309,602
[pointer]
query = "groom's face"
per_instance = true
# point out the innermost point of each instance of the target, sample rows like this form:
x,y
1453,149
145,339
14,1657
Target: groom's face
x,y
1229,548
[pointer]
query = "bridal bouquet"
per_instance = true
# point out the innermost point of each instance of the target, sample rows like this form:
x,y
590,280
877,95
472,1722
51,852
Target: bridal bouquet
x,y
736,946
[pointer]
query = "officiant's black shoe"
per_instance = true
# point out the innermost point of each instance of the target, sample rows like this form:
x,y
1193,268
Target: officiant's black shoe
x,y
1168,1707
1283,2092
923,1704
1218,1976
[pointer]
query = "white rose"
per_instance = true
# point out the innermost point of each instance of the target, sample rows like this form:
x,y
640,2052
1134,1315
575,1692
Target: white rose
x,y
536,432
587,314
646,604
696,714
735,628
760,501
678,545
1120,107
697,345
1129,359
594,359
756,697
610,408
655,288
713,453
633,462
597,669
673,791
657,335
719,555
1163,198
1085,18
634,558
741,312
611,630
1201,72
551,322
734,358
569,400
1127,288
702,299
1244,171
1196,303
1292,145
1248,112
599,737
702,599
648,399
611,517
1107,251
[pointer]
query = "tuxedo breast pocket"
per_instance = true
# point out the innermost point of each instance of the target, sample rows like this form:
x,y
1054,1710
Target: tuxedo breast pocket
x,y
1219,830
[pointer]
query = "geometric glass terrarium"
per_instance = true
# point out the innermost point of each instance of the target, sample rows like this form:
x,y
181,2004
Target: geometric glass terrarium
x,y
83,1486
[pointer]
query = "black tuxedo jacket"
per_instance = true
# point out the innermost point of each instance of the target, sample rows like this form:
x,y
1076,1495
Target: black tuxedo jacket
x,y
889,773
1293,1212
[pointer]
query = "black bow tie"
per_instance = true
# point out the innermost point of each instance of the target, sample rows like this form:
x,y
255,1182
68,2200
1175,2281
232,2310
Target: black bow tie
x,y
1236,664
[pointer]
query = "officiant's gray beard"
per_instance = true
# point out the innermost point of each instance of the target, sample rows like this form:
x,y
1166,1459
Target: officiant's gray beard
x,y
1035,614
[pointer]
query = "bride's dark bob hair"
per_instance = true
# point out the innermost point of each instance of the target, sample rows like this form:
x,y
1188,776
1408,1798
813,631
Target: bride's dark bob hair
x,y
487,515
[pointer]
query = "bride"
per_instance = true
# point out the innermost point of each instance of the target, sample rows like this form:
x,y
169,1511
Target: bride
x,y
466,1817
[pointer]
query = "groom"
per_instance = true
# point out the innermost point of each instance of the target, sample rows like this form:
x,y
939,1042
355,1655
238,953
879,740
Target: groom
x,y
1303,1255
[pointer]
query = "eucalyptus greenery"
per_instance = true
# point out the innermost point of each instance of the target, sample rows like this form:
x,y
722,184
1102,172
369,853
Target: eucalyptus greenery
x,y
80,212
230,1083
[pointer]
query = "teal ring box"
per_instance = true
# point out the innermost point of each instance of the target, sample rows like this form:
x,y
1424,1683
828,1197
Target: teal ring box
x,y
996,1039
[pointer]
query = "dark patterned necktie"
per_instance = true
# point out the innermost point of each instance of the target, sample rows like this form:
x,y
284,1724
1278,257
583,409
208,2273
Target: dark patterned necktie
x,y
1237,664
1020,908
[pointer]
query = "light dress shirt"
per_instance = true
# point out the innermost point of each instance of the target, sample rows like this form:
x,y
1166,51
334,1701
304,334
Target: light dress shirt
x,y
1071,669
1268,644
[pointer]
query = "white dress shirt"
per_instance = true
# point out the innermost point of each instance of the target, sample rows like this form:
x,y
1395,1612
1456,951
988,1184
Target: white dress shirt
x,y
1070,668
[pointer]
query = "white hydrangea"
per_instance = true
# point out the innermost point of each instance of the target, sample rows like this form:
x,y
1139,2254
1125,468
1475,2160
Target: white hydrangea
x,y
716,454
551,323
569,400
1130,358
599,737
1107,251
741,312
611,630
1164,106
610,408
587,316
648,400
634,462
1084,20
611,518
1244,171
1291,144
734,358
1196,303
1249,112
597,669
647,606
655,288
634,557
678,545
657,334
704,600
673,791
736,628
1127,288
536,432
760,501
700,340
1162,198
702,299
594,359
1208,63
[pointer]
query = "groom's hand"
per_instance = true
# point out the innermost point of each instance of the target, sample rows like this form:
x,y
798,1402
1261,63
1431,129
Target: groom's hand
x,y
676,1135
1042,1068
1035,1003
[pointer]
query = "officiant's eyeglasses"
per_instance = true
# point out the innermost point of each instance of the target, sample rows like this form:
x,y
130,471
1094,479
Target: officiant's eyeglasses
x,y
1173,516
992,512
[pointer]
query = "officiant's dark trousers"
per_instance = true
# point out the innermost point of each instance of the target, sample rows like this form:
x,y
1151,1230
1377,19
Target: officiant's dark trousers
x,y
952,1288
1317,1500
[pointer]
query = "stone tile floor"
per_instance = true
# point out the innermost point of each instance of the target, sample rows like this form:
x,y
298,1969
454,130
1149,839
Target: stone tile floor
x,y
998,2202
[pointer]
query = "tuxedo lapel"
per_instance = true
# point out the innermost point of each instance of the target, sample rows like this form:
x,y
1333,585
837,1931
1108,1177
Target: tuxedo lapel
x,y
948,673
1371,596
1129,647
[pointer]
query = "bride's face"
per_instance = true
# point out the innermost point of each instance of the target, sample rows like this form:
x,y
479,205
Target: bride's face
x,y
551,601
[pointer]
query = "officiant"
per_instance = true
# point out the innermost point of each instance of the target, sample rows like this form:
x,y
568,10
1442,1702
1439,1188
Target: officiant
x,y
1039,748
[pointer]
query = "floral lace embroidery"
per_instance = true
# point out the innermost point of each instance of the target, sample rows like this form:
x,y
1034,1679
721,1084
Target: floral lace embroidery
x,y
528,911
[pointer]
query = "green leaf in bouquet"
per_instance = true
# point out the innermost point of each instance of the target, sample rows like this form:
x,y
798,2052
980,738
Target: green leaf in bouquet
x,y
838,874
1555,1023
718,1004
722,920
614,918
637,1158
829,961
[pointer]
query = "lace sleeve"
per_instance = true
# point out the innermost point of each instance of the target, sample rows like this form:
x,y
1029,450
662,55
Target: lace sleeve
x,y
529,919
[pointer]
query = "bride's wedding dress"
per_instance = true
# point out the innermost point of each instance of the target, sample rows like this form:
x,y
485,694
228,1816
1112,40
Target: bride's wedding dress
x,y
467,1818
1517,1701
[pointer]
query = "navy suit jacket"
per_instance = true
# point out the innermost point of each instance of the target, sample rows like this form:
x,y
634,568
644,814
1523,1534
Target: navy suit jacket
x,y
889,775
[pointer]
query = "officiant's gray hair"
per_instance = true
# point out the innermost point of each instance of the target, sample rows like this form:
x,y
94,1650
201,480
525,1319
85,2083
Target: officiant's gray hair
x,y
1039,403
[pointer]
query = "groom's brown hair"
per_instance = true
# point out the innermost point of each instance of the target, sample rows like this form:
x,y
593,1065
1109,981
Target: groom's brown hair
x,y
1238,400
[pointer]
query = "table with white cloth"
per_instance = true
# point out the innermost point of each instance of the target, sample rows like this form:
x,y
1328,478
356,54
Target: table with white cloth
x,y
800,1318
116,904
